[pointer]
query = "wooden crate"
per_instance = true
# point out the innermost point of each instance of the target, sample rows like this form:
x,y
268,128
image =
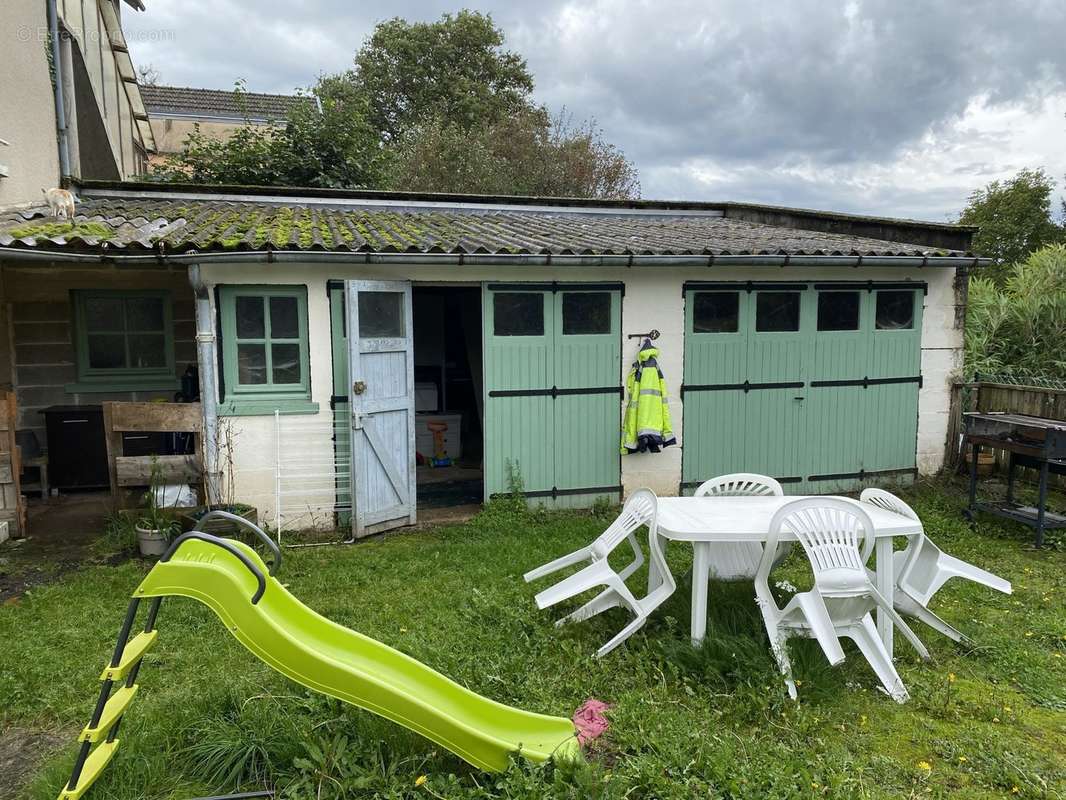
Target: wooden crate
x,y
135,471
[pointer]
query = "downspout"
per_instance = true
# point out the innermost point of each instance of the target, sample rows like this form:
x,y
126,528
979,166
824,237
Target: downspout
x,y
57,85
205,356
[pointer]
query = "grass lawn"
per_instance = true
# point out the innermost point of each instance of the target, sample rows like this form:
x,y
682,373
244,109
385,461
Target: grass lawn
x,y
987,721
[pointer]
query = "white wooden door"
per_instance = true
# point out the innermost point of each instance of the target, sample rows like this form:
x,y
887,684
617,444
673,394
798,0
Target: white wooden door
x,y
381,393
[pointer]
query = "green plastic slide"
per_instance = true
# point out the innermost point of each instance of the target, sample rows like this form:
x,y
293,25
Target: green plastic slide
x,y
329,658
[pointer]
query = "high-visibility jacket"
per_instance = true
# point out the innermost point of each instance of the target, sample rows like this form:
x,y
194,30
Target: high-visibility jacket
x,y
647,419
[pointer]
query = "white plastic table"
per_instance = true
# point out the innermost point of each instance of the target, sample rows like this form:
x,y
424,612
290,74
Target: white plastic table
x,y
707,520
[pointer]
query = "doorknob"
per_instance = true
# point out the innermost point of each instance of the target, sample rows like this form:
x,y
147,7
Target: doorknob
x,y
358,387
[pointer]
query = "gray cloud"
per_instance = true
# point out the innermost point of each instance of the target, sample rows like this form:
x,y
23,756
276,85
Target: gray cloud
x,y
807,102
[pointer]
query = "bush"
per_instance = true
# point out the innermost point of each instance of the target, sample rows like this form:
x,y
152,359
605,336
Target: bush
x,y
1020,327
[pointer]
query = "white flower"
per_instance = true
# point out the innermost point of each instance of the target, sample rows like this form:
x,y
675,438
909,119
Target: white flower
x,y
785,586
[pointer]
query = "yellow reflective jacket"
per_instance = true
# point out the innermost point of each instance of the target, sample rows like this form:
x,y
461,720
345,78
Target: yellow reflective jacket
x,y
647,419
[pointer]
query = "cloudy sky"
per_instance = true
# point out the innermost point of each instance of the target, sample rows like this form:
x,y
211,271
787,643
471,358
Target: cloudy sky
x,y
897,107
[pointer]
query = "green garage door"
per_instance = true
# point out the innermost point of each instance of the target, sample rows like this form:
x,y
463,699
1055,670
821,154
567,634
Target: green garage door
x,y
814,384
553,390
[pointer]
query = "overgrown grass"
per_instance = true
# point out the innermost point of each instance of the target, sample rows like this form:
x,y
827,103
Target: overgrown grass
x,y
988,721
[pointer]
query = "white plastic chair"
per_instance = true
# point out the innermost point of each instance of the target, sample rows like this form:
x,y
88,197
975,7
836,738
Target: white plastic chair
x,y
922,568
738,561
641,509
831,532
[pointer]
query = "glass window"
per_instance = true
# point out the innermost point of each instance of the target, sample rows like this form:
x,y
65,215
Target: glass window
x,y
518,314
586,313
123,338
838,311
264,342
777,312
895,310
381,315
715,312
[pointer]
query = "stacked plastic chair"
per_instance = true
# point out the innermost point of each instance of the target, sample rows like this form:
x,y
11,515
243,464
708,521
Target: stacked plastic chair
x,y
640,510
738,561
923,568
837,537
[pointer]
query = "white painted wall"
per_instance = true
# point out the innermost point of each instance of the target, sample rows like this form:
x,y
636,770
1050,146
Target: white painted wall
x,y
653,299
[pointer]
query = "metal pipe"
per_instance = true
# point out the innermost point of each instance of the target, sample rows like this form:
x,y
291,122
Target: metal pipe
x,y
61,113
205,357
502,260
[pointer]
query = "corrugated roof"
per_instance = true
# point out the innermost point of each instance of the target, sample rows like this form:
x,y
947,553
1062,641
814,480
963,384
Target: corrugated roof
x,y
218,103
137,225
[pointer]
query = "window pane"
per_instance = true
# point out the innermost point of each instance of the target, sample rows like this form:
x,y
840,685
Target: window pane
x,y
777,311
518,313
716,312
250,322
895,310
147,350
107,350
838,311
285,363
251,363
144,314
381,315
586,313
104,314
284,318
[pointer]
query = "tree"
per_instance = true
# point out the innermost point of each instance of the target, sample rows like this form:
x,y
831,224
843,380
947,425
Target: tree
x,y
1014,217
454,69
326,141
148,75
436,107
527,153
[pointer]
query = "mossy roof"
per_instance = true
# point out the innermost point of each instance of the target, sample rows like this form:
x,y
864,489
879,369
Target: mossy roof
x,y
177,225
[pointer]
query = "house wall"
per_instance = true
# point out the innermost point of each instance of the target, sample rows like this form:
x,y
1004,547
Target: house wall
x,y
36,302
86,25
170,133
27,111
653,299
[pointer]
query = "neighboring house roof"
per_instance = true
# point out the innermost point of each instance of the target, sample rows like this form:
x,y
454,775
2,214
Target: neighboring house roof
x,y
185,101
133,219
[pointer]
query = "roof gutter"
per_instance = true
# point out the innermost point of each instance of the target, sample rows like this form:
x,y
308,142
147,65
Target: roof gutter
x,y
489,259
57,86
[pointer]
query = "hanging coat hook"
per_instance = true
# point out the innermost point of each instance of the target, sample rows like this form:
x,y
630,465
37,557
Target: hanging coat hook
x,y
652,334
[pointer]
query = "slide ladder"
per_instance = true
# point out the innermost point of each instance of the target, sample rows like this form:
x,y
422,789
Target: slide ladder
x,y
230,578
99,738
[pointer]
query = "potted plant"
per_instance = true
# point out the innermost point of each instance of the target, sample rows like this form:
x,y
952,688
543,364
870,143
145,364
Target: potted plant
x,y
155,525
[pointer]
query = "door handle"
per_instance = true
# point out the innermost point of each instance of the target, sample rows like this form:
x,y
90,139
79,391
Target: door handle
x,y
800,397
358,387
357,420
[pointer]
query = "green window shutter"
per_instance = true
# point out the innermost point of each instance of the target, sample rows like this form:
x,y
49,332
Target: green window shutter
x,y
265,349
123,340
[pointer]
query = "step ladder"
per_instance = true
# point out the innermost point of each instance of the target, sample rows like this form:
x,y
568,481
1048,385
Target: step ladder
x,y
99,739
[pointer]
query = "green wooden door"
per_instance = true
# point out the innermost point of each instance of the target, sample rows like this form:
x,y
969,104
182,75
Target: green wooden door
x,y
553,388
342,429
895,378
836,407
813,384
744,379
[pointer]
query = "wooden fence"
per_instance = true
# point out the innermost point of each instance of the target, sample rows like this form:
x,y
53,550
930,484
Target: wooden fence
x,y
982,396
12,505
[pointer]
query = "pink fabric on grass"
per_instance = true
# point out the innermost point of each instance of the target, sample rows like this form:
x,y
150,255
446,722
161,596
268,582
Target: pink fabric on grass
x,y
590,720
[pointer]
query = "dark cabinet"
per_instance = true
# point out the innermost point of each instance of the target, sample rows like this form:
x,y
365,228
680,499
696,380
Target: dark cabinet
x,y
77,450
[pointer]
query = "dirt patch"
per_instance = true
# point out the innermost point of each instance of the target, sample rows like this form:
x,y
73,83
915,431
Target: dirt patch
x,y
21,752
61,535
